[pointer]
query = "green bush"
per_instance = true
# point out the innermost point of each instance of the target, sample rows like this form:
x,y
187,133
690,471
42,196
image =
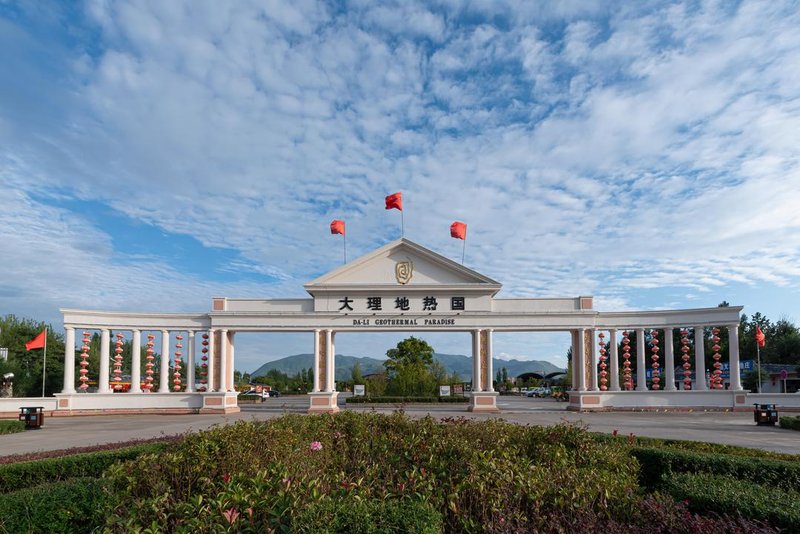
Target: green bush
x,y
473,473
404,400
68,506
660,464
722,494
696,446
26,474
792,423
11,427
353,516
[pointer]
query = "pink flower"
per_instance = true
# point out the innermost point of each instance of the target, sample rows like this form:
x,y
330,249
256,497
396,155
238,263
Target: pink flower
x,y
316,446
615,432
231,515
226,478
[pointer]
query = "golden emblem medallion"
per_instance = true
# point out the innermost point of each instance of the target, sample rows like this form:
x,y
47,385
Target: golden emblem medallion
x,y
403,271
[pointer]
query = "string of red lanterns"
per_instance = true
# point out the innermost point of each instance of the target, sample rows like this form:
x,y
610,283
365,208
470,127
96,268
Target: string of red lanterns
x,y
84,363
654,350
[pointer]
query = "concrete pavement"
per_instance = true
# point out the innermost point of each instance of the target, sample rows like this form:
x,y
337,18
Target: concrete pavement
x,y
717,427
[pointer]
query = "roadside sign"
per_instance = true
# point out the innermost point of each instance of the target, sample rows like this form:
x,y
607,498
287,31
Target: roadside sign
x,y
784,374
358,390
458,389
444,391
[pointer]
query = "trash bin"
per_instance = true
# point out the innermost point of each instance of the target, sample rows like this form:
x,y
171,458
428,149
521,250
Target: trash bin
x,y
32,415
765,414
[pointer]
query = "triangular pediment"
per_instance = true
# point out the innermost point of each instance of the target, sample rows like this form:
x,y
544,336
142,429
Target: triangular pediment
x,y
379,268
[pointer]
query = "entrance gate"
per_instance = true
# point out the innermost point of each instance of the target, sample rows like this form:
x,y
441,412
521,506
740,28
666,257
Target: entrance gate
x,y
403,286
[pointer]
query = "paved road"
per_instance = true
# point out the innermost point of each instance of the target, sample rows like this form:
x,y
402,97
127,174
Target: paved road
x,y
717,427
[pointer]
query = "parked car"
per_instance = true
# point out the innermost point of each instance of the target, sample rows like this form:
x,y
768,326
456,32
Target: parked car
x,y
533,392
544,392
273,393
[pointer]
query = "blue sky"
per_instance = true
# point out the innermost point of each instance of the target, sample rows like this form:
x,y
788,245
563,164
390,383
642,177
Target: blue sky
x,y
156,154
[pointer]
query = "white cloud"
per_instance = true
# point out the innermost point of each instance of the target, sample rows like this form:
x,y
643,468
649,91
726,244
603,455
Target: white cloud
x,y
591,148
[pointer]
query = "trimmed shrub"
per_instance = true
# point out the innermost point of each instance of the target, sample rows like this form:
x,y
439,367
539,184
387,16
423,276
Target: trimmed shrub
x,y
350,515
69,506
405,400
696,446
26,474
660,464
792,423
705,492
11,427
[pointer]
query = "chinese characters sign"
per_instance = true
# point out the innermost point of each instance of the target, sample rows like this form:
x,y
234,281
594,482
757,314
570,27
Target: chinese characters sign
x,y
428,303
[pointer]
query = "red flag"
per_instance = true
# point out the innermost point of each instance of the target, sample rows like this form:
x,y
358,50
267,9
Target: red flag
x,y
395,201
37,342
458,230
337,227
761,339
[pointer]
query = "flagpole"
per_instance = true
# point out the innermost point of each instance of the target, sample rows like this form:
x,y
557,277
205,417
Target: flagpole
x,y
402,225
44,362
345,246
463,249
758,354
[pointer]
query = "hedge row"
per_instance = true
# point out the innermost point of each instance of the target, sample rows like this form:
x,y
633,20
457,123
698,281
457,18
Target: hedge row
x,y
27,474
404,400
697,446
11,427
658,465
722,494
67,506
792,423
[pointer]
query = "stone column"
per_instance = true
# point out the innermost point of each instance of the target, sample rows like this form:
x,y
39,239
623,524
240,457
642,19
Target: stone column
x,y
733,359
231,362
593,360
476,360
579,359
105,353
613,360
328,347
641,374
223,357
136,362
212,351
69,361
669,361
163,368
315,385
699,359
332,362
489,365
190,363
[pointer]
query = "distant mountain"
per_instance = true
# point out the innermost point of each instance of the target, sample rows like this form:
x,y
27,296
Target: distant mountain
x,y
452,362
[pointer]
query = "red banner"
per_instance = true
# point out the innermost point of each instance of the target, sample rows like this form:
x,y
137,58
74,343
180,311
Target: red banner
x,y
337,227
458,230
761,339
395,201
37,342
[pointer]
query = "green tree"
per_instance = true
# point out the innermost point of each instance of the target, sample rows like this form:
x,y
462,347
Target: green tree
x,y
410,351
356,375
27,365
411,370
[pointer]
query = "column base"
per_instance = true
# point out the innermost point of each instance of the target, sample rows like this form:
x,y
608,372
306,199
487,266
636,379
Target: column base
x,y
323,402
220,402
484,402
